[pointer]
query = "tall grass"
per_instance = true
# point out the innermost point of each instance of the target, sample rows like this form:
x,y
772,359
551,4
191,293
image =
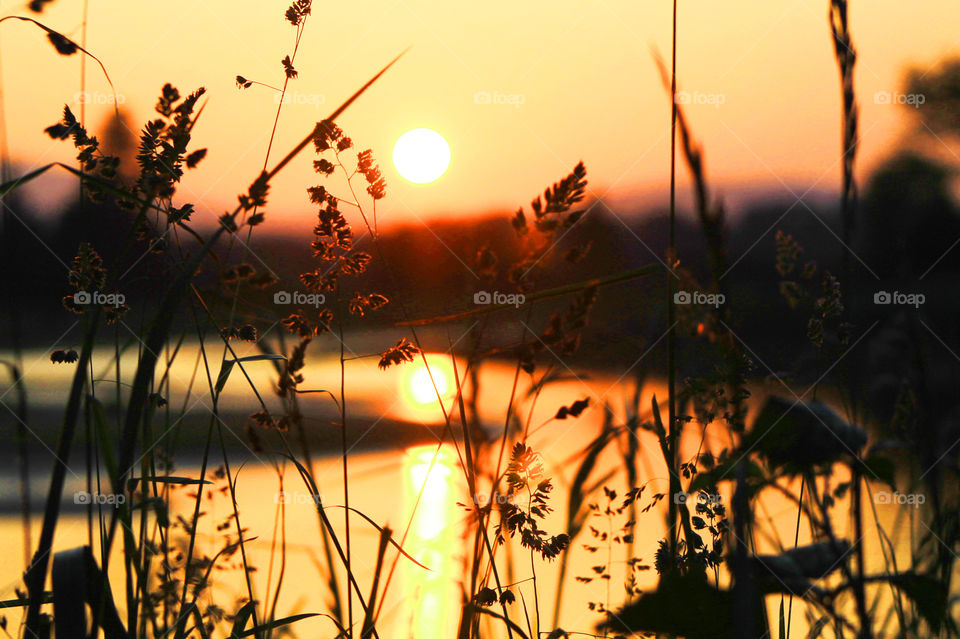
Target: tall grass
x,y
715,571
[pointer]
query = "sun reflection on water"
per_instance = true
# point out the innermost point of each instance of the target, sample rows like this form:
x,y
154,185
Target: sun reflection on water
x,y
431,489
419,387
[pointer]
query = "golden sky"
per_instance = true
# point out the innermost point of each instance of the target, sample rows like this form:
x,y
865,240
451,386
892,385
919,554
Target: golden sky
x,y
566,81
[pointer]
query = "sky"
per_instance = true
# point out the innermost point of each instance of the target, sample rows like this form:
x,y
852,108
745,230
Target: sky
x,y
521,90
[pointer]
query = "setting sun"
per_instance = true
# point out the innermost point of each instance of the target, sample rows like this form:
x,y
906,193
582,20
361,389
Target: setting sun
x,y
421,155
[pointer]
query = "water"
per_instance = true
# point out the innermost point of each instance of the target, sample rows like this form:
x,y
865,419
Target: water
x,y
415,491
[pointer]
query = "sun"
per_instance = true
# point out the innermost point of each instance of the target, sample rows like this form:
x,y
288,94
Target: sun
x,y
421,155
422,388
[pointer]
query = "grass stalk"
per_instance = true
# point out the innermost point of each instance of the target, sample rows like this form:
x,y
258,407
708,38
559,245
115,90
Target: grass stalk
x,y
346,479
672,437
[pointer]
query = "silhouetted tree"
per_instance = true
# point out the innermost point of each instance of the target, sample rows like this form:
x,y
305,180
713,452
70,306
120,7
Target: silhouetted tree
x,y
910,220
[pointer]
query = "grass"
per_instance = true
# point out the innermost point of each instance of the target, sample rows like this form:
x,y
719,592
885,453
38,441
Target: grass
x,y
716,566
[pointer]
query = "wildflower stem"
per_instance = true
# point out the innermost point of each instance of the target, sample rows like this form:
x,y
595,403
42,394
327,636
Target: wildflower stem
x,y
283,92
533,568
540,295
343,107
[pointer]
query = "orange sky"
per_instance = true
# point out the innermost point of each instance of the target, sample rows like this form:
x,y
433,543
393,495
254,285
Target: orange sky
x,y
582,70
